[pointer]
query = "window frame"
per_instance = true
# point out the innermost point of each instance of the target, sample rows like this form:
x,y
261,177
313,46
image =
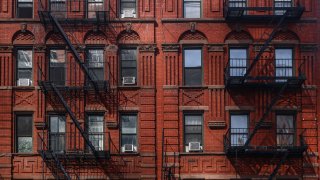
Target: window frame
x,y
87,8
281,12
184,68
17,9
65,64
121,114
103,62
292,61
59,133
184,13
121,67
120,9
193,113
294,119
235,113
247,59
59,13
17,65
102,134
16,143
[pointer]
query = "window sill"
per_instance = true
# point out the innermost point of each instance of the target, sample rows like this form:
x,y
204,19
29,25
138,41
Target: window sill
x,y
193,87
25,154
127,154
24,87
201,153
129,87
184,20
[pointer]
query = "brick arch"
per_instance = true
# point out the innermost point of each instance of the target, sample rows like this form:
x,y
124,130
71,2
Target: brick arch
x,y
128,37
190,36
54,38
282,36
238,36
23,37
95,37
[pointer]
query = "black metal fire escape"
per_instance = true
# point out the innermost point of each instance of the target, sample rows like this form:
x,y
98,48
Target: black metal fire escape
x,y
233,14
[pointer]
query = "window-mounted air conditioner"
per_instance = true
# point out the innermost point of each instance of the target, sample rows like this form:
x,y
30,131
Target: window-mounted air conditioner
x,y
128,80
24,82
128,148
128,13
194,146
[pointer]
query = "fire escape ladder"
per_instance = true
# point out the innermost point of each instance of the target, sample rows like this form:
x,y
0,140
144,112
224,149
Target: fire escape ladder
x,y
276,169
265,46
266,113
58,164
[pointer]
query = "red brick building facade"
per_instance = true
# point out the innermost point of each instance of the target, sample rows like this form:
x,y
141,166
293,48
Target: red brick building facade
x,y
159,89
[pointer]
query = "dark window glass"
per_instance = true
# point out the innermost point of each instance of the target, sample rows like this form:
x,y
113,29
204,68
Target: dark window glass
x,y
58,8
128,131
283,64
239,129
238,62
192,128
95,63
237,3
280,5
285,130
128,8
93,6
192,67
25,8
58,67
192,8
24,72
95,131
24,133
57,133
128,64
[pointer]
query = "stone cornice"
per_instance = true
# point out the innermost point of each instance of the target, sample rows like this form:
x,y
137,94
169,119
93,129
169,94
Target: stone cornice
x,y
170,47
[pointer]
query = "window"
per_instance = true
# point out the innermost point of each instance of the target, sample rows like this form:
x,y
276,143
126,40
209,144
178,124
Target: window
x,y
237,3
285,130
128,8
238,62
239,129
192,66
129,133
58,8
128,66
93,6
280,5
192,131
24,72
25,8
24,133
57,133
96,64
192,8
57,72
283,64
95,131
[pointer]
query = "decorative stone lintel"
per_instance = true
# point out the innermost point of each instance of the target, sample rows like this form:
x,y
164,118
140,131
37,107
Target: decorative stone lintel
x,y
40,125
215,47
39,48
266,124
308,47
239,108
195,108
95,108
112,48
6,48
257,47
147,48
217,124
170,47
112,124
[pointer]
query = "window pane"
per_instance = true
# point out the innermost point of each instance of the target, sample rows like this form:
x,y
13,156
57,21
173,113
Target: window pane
x,y
193,129
24,144
128,139
24,59
24,74
239,121
192,9
193,119
95,124
283,53
193,76
129,124
57,142
128,54
129,72
25,8
97,73
192,58
285,121
57,124
238,139
193,138
24,125
57,57
284,63
132,64
95,58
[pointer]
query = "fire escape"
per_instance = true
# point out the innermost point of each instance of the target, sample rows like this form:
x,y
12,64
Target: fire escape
x,y
82,148
261,74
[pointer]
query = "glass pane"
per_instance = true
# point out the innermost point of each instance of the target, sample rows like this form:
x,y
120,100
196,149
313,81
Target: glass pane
x,y
193,129
284,54
238,53
97,141
25,1
24,59
97,73
128,54
25,10
129,124
24,125
193,119
95,58
57,57
285,140
193,76
57,142
132,64
24,144
128,139
58,75
129,72
237,3
25,74
193,138
238,139
57,124
239,121
95,124
192,9
285,122
192,58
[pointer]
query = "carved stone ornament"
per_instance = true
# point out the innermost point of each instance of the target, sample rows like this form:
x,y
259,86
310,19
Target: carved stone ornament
x,y
112,48
129,27
217,124
23,27
193,27
215,48
308,47
6,48
170,47
147,47
40,47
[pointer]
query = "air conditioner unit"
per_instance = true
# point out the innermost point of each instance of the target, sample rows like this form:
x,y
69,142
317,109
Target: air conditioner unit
x,y
194,146
128,13
24,82
128,148
128,80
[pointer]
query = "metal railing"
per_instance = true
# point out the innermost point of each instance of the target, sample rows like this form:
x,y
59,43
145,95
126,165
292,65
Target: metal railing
x,y
265,70
265,139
